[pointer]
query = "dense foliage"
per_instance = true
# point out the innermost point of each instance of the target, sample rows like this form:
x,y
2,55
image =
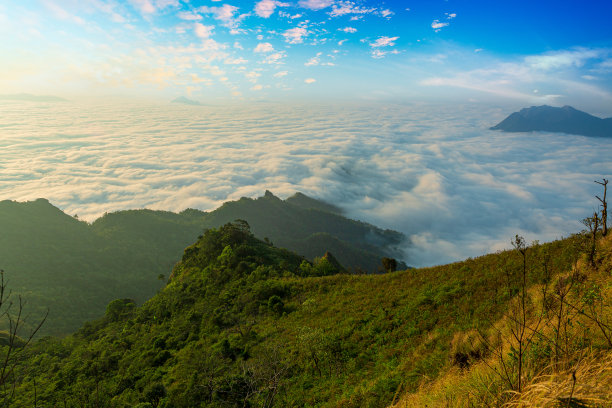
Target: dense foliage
x,y
74,268
242,323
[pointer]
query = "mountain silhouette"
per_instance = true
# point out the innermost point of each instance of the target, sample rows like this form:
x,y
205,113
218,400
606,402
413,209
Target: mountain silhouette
x,y
550,119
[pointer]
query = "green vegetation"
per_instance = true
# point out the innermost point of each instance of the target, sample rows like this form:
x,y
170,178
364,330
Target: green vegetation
x,y
74,269
243,323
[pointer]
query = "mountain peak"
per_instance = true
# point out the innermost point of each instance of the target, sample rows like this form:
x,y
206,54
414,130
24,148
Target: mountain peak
x,y
566,119
186,101
268,194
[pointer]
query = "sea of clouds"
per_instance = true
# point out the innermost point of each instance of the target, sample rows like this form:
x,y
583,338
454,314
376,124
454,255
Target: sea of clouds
x,y
433,172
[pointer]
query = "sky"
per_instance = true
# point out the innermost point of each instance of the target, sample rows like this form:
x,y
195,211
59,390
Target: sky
x,y
554,52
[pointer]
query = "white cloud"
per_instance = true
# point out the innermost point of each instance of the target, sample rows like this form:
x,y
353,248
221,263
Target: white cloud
x,y
264,47
162,4
235,61
216,71
314,60
203,31
275,58
211,45
62,14
386,13
257,87
226,14
315,4
197,80
562,59
516,80
384,42
437,25
265,8
378,53
288,15
295,35
348,7
604,66
441,177
252,75
189,16
310,80
144,6
281,74
348,29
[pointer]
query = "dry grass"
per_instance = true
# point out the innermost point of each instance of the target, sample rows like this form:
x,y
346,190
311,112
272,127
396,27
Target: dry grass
x,y
476,387
587,384
584,379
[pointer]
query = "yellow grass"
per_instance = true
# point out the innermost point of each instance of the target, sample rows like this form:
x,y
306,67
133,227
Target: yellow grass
x,y
584,379
588,383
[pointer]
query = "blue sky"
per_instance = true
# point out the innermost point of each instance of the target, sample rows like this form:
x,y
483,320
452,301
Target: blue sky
x,y
518,51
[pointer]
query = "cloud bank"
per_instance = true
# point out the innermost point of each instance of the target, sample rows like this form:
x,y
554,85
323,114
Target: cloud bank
x,y
435,173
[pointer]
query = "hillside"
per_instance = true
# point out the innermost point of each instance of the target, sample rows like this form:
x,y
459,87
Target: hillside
x,y
311,227
242,323
74,268
551,347
550,119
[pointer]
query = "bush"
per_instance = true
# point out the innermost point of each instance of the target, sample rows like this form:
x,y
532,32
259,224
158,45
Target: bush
x,y
119,309
275,304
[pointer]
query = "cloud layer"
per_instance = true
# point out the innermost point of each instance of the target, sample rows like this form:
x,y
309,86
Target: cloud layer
x,y
433,172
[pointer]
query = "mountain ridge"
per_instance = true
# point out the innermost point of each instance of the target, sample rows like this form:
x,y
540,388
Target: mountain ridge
x,y
565,119
75,268
186,101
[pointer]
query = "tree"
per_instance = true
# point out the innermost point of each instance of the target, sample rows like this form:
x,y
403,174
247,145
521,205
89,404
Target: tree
x,y
155,393
604,205
521,332
12,316
119,308
592,223
389,264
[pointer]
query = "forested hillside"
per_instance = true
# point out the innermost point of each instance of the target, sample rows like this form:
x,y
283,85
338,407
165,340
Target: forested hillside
x,y
242,323
74,269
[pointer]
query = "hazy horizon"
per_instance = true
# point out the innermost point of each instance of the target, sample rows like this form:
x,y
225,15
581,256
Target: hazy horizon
x,y
380,107
432,171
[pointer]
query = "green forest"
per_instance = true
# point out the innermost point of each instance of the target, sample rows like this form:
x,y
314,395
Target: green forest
x,y
74,269
242,323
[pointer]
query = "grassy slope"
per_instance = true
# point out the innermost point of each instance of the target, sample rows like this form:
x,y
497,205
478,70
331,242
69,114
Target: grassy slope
x,y
568,360
234,322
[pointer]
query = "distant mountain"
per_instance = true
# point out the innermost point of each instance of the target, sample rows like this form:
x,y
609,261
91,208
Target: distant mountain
x,y
32,98
302,200
311,227
550,119
185,101
74,268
